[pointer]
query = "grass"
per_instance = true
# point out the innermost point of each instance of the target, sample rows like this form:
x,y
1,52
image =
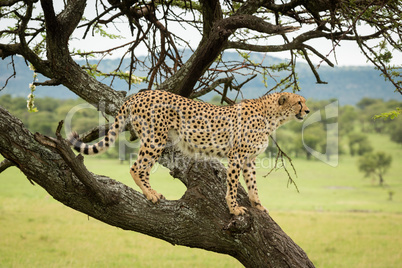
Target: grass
x,y
346,239
37,231
339,218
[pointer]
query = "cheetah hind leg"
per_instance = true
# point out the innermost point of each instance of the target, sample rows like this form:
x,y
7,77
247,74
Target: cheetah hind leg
x,y
140,172
249,176
233,173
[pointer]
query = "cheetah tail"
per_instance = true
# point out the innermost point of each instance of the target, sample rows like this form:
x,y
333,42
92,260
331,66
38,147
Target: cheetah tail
x,y
102,145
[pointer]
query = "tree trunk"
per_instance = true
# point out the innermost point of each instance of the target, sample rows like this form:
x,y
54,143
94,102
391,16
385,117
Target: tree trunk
x,y
381,179
199,219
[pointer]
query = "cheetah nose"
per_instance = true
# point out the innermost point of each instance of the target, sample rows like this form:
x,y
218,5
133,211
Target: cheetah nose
x,y
307,111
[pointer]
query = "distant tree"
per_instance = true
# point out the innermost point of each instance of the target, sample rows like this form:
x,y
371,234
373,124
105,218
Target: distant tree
x,y
286,139
365,102
331,147
364,147
359,144
375,164
348,116
314,137
298,147
43,122
396,132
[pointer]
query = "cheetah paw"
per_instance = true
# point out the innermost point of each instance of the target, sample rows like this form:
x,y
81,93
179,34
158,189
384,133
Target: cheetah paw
x,y
153,196
238,211
258,206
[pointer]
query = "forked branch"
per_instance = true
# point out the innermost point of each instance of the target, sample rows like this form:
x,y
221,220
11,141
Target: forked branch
x,y
280,157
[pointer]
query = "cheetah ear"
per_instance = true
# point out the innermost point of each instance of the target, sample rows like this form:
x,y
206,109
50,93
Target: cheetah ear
x,y
282,99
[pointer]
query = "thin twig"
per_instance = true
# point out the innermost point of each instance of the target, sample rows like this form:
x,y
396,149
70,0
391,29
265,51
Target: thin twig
x,y
11,76
280,156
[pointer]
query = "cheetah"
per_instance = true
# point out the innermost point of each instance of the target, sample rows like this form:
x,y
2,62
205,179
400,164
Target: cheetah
x,y
238,132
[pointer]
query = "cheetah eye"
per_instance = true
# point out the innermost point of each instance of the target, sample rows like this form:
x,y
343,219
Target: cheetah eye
x,y
299,102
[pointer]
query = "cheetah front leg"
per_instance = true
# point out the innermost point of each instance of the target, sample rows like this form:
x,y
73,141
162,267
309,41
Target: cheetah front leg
x,y
233,173
249,176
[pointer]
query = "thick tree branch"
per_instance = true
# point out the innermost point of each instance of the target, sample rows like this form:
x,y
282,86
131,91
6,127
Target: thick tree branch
x,y
9,50
211,12
5,164
77,165
215,84
209,50
283,8
5,3
257,24
65,70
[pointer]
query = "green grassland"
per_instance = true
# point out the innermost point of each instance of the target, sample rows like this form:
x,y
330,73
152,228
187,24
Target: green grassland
x,y
340,219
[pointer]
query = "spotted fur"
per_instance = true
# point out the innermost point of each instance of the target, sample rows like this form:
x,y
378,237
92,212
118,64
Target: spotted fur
x,y
239,132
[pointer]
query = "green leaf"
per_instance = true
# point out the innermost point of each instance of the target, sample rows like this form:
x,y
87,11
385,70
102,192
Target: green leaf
x,y
388,115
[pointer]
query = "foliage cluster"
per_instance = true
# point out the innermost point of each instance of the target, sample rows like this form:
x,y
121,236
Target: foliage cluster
x,y
50,112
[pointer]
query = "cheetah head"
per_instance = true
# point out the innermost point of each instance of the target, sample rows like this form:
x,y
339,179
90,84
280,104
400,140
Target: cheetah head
x,y
292,106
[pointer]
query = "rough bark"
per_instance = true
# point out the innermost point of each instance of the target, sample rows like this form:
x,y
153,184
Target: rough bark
x,y
199,219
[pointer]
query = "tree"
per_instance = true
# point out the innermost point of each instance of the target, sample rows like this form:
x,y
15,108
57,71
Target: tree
x,y
347,119
359,144
375,164
314,137
396,132
41,32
